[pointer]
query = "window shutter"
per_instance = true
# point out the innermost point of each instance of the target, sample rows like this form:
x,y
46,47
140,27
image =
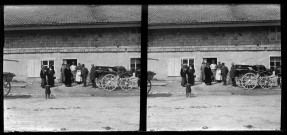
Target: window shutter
x,y
177,66
170,67
34,68
173,67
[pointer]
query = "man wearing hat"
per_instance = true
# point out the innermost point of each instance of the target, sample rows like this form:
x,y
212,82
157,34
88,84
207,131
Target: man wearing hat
x,y
84,74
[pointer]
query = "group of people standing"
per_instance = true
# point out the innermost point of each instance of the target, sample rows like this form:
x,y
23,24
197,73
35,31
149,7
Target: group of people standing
x,y
217,73
213,73
209,73
187,74
47,76
74,74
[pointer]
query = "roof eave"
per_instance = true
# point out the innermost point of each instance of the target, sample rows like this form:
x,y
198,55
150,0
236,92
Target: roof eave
x,y
210,25
82,26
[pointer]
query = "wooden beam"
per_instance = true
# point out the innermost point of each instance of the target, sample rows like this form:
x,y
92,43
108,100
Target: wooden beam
x,y
211,25
71,26
10,60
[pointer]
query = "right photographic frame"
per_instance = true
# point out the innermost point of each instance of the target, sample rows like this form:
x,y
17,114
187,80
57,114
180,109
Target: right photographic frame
x,y
214,67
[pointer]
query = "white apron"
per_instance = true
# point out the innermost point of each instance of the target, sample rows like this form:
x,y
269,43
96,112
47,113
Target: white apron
x,y
78,76
218,75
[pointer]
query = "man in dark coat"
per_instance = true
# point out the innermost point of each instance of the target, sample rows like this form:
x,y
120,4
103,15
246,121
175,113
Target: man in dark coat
x,y
183,72
224,72
43,75
84,74
68,76
232,74
92,76
208,74
51,74
190,74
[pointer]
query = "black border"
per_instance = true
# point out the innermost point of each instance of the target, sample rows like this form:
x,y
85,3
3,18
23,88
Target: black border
x,y
144,37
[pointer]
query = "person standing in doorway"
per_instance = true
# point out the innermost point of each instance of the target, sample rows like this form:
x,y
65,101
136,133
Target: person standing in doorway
x,y
183,71
213,70
73,69
68,76
224,72
208,74
218,75
232,74
51,74
62,73
202,75
43,75
84,74
190,74
92,76
78,74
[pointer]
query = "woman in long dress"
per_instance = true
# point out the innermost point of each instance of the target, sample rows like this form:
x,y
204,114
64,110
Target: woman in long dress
x,y
190,74
183,72
68,76
43,75
218,76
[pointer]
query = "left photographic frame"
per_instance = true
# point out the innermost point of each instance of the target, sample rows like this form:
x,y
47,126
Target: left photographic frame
x,y
72,67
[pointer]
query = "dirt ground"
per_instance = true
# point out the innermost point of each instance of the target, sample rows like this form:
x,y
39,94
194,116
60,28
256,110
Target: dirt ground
x,y
212,107
236,112
72,114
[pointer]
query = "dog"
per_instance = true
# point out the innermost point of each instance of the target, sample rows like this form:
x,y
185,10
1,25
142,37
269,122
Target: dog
x,y
48,91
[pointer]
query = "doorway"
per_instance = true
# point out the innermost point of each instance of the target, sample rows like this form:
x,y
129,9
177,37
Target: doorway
x,y
69,61
209,60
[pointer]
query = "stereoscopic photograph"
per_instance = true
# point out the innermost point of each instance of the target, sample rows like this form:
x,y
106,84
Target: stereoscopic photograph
x,y
71,67
214,67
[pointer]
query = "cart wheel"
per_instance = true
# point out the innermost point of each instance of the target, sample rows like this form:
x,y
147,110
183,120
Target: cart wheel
x,y
148,86
126,83
6,88
249,81
238,81
265,82
109,82
99,82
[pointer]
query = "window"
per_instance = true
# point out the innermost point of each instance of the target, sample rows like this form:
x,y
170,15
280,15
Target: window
x,y
187,61
275,62
135,64
274,34
47,63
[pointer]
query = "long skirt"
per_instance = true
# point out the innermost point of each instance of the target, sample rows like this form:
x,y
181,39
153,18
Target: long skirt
x,y
183,81
202,76
218,76
43,82
51,81
78,76
62,77
68,80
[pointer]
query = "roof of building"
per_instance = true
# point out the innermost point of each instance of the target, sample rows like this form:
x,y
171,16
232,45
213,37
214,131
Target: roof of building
x,y
55,15
210,14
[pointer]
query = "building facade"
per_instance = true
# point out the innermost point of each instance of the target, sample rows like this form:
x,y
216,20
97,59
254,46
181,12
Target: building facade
x,y
99,35
243,34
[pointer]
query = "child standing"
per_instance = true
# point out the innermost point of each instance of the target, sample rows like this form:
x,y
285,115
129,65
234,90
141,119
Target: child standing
x,y
188,90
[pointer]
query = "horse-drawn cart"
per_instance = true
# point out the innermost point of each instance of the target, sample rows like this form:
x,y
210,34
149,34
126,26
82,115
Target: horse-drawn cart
x,y
7,78
250,76
109,78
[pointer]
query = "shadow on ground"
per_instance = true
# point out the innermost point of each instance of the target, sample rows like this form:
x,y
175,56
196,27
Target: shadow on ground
x,y
159,95
17,96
